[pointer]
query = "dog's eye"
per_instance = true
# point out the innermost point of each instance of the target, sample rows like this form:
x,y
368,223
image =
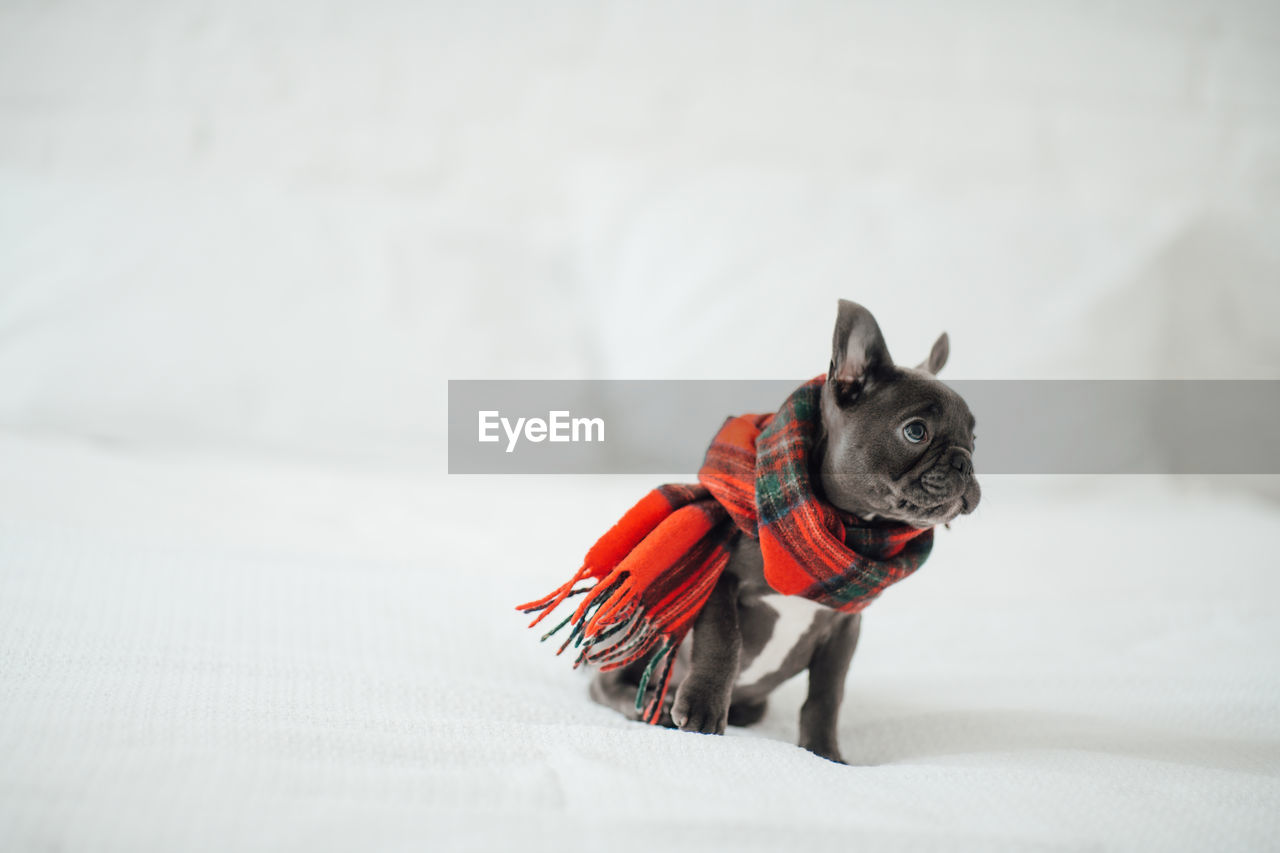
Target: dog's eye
x,y
915,432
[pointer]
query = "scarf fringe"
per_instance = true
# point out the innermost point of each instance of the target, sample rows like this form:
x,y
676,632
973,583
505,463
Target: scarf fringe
x,y
611,630
647,579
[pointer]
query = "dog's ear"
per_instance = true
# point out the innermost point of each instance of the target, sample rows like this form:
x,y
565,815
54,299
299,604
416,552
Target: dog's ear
x,y
937,356
858,352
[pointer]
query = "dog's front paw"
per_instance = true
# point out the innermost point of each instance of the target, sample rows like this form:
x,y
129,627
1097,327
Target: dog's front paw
x,y
700,708
824,749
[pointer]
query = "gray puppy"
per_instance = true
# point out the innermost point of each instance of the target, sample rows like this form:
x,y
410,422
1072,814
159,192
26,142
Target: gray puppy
x,y
895,444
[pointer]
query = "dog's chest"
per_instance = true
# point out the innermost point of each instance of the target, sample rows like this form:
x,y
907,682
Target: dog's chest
x,y
792,622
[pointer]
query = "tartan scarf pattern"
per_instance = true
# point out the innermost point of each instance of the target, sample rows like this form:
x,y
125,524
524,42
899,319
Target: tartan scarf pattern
x,y
648,577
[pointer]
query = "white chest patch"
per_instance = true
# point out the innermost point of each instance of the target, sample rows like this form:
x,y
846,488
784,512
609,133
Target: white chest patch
x,y
795,615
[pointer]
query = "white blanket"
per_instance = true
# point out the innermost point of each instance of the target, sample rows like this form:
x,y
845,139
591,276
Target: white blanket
x,y
224,654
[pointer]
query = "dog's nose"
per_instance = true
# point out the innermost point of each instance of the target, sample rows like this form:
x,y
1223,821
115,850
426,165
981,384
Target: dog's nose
x,y
961,461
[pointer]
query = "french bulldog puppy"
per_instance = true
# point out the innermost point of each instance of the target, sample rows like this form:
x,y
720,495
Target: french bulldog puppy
x,y
894,444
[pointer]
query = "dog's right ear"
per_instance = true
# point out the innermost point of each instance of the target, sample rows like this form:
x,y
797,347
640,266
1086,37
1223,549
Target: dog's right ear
x,y
858,352
937,356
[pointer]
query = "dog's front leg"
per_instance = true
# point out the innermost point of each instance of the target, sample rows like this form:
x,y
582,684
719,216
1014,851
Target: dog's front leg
x,y
702,701
827,670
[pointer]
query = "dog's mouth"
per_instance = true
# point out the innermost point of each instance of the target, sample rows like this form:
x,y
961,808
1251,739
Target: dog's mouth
x,y
928,516
930,512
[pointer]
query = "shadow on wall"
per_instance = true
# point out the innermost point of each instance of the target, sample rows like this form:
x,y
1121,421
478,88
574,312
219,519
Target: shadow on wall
x,y
1202,307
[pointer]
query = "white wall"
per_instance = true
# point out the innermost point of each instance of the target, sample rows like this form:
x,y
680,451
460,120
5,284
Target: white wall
x,y
285,224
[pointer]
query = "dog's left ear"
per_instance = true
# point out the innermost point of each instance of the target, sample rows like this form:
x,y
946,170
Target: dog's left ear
x,y
858,352
937,356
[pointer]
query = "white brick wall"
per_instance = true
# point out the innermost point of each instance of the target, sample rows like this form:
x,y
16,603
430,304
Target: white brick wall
x,y
287,223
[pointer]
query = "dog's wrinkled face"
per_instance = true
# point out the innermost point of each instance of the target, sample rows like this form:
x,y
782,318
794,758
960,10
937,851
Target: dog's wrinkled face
x,y
897,444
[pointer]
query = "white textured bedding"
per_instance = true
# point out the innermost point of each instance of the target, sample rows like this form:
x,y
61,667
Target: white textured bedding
x,y
202,653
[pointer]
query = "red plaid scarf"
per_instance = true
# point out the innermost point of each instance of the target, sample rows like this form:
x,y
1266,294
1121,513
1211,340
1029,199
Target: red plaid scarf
x,y
650,575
